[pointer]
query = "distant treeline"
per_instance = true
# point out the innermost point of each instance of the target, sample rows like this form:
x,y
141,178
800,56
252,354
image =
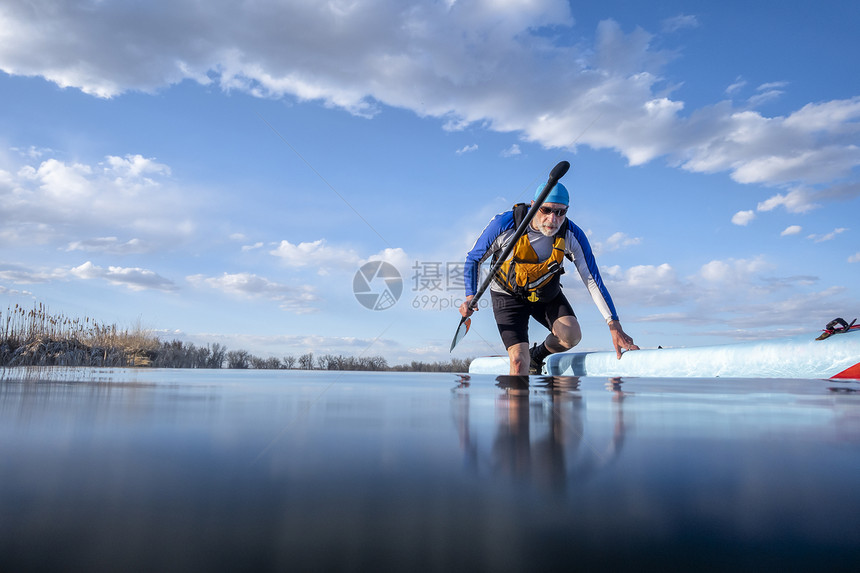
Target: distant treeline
x,y
38,338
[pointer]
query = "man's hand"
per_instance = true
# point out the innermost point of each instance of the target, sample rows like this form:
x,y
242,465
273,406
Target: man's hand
x,y
465,311
620,339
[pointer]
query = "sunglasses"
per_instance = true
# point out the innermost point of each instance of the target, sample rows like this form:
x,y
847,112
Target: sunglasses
x,y
556,212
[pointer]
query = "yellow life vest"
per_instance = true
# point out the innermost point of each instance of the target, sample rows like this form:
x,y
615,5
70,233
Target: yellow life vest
x,y
524,276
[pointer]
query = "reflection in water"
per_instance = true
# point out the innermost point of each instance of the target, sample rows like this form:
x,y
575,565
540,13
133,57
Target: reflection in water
x,y
156,470
62,374
540,431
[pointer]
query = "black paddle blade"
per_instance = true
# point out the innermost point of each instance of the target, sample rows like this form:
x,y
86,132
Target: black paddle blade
x,y
462,329
558,171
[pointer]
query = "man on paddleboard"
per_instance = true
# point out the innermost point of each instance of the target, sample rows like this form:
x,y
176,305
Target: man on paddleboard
x,y
528,283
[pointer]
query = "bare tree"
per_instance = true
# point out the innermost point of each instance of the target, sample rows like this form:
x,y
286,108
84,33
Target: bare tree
x,y
216,356
306,361
238,359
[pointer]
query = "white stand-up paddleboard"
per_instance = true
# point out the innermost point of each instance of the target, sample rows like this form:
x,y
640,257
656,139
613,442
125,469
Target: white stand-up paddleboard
x,y
837,356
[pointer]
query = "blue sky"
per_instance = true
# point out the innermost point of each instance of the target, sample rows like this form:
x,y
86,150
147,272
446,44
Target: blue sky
x,y
218,172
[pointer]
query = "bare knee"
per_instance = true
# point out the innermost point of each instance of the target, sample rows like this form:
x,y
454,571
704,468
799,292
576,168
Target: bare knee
x,y
568,332
571,339
519,358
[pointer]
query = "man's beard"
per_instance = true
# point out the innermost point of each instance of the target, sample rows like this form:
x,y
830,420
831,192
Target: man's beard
x,y
549,230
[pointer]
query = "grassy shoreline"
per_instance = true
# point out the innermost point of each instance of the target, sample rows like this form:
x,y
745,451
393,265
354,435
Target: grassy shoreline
x,y
36,337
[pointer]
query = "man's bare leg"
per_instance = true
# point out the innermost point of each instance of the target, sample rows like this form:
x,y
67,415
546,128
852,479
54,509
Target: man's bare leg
x,y
566,334
519,357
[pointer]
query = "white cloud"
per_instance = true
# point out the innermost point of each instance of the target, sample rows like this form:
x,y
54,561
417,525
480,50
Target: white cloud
x,y
14,292
647,285
464,62
795,201
512,151
807,147
316,254
733,293
767,92
680,22
324,258
746,313
132,278
109,245
294,345
467,149
70,202
18,274
743,218
764,97
828,236
791,230
620,240
855,258
736,86
33,152
641,275
804,199
135,169
817,165
296,299
736,272
840,191
61,182
738,297
771,86
395,256
837,116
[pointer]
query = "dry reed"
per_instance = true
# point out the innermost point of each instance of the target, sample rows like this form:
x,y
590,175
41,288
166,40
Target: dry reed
x,y
36,337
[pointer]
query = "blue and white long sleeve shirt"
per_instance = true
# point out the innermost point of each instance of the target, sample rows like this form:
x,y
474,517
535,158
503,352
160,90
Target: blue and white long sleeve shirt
x,y
499,232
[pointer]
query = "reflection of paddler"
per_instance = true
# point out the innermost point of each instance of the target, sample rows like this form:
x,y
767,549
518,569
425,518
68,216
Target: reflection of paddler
x,y
511,448
540,431
543,462
460,413
566,429
619,431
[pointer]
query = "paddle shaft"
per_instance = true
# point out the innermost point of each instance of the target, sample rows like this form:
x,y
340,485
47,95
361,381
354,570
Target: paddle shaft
x,y
557,173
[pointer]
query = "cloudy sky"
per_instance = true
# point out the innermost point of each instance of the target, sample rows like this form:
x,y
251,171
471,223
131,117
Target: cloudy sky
x,y
219,171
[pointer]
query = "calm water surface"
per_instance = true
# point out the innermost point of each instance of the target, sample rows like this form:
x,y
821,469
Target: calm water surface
x,y
169,470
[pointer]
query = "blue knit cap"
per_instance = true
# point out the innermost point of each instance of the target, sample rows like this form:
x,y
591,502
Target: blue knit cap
x,y
557,195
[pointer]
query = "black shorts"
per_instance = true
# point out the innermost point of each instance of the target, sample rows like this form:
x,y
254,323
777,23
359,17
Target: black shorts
x,y
512,315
